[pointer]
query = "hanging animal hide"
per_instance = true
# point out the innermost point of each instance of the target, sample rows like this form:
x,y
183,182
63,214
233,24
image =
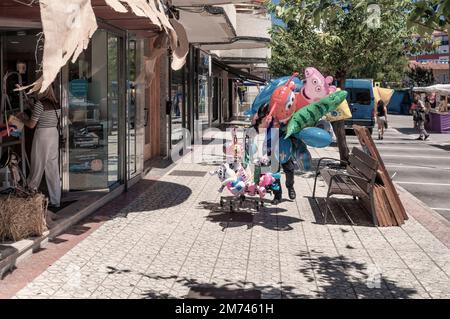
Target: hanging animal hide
x,y
68,26
154,10
181,48
159,47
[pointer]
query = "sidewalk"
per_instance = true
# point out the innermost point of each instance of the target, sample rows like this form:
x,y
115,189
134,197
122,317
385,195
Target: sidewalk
x,y
174,241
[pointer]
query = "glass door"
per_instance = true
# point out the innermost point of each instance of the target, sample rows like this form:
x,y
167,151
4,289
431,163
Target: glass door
x,y
178,98
136,106
92,116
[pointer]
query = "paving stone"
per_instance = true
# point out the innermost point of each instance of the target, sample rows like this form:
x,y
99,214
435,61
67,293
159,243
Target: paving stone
x,y
154,250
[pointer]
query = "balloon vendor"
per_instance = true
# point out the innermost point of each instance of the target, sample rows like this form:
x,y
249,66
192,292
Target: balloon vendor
x,y
295,108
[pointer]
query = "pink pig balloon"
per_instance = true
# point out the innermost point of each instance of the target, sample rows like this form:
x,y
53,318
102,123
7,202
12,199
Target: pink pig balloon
x,y
316,88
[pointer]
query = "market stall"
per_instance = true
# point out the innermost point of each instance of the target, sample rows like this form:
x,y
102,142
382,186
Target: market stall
x,y
439,118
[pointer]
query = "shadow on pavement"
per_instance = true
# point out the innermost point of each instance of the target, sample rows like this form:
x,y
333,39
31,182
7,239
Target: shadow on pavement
x,y
342,211
268,217
337,278
442,147
120,207
407,130
161,195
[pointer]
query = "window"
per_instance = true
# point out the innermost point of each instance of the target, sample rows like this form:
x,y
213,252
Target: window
x,y
361,96
93,92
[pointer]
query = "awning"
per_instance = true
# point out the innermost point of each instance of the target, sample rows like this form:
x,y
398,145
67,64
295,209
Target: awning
x,y
242,75
238,43
210,2
207,25
68,26
443,89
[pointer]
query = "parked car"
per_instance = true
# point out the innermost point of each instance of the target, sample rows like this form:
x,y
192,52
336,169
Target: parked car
x,y
361,100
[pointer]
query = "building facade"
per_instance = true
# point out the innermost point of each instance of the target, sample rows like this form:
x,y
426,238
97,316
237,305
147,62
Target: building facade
x,y
121,106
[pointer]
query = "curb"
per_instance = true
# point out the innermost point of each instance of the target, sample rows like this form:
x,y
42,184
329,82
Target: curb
x,y
424,215
21,250
26,247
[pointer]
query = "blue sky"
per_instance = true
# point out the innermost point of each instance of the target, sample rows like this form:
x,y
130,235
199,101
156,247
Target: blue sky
x,y
275,20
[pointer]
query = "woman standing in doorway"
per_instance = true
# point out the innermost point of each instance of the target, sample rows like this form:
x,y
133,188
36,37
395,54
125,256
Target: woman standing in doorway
x,y
381,119
45,150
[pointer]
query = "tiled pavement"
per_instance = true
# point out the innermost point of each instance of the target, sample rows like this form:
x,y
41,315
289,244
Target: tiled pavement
x,y
174,240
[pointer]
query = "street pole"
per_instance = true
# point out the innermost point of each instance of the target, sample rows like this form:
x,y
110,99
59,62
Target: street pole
x,y
448,62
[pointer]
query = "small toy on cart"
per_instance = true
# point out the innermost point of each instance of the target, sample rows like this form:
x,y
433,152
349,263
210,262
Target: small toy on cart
x,y
243,184
242,188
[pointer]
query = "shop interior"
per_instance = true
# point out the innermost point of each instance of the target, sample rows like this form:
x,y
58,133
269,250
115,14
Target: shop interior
x,y
88,90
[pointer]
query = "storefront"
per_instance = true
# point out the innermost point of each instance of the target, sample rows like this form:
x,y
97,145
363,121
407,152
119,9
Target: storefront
x,y
104,100
190,98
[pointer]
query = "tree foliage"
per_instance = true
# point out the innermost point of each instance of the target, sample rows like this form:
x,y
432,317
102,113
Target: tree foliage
x,y
344,38
430,15
419,76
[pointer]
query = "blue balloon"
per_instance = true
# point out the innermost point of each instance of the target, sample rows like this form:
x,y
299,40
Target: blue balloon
x,y
285,150
315,137
302,155
266,94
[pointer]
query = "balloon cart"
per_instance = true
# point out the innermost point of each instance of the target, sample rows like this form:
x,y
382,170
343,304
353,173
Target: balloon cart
x,y
247,183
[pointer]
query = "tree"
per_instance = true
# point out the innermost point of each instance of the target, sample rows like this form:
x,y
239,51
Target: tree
x,y
419,76
344,38
430,15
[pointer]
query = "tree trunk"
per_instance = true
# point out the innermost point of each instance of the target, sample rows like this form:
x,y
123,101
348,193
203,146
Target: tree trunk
x,y
339,126
339,131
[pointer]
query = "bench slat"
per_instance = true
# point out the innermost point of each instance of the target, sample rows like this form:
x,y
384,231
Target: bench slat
x,y
364,184
362,169
365,158
342,185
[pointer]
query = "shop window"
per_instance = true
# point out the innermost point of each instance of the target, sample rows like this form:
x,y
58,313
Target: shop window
x,y
93,94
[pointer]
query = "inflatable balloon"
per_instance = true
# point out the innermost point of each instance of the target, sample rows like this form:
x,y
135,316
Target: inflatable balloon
x,y
285,150
236,187
302,155
315,88
282,102
325,125
305,159
311,114
265,95
315,137
268,179
341,113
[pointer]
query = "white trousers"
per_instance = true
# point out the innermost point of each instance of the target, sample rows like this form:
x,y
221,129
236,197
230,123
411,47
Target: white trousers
x,y
44,158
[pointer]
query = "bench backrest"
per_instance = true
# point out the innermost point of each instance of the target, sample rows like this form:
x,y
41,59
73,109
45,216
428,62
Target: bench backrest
x,y
362,164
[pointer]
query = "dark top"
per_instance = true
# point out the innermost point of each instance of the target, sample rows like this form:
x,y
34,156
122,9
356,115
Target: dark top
x,y
381,111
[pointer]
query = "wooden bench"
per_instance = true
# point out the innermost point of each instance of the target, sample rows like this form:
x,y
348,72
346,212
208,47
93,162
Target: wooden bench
x,y
356,179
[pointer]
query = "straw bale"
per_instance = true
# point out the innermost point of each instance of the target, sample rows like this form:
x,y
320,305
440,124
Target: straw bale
x,y
22,216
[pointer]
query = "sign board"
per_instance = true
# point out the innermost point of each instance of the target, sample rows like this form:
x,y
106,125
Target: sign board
x,y
79,88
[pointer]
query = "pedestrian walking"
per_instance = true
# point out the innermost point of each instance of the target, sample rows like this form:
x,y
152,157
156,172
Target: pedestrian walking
x,y
419,117
381,119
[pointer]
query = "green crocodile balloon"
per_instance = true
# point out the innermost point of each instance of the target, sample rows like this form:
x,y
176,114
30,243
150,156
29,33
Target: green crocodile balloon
x,y
312,113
